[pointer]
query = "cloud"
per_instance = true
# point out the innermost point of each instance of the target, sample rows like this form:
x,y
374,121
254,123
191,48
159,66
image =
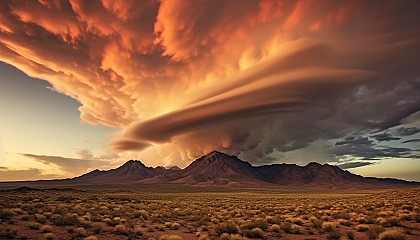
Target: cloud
x,y
250,78
8,174
365,149
125,145
407,131
412,141
269,96
385,137
84,154
355,141
70,165
353,165
105,154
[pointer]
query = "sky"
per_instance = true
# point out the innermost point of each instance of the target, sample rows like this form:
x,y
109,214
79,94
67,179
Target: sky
x,y
88,85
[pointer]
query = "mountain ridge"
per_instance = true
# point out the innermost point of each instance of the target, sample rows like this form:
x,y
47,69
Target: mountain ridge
x,y
220,169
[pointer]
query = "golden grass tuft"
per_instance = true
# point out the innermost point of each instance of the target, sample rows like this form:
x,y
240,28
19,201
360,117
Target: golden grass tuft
x,y
170,237
91,238
392,235
49,236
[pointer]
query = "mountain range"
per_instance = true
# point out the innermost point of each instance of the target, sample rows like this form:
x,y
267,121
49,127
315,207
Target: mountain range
x,y
220,169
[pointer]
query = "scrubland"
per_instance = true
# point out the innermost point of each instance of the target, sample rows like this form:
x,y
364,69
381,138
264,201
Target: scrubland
x,y
183,213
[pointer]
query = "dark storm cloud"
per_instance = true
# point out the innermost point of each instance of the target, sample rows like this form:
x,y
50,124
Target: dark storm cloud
x,y
355,141
354,165
385,137
407,131
411,141
362,147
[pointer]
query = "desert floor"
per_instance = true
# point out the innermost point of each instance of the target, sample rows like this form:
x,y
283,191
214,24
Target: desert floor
x,y
177,212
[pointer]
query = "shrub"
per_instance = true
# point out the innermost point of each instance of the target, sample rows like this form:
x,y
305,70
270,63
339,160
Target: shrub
x,y
121,229
297,221
362,228
381,220
288,227
361,220
111,222
344,222
328,226
236,237
254,233
374,231
46,228
65,220
226,227
259,223
204,237
275,228
49,236
334,235
34,225
96,228
48,214
175,226
91,238
350,235
40,219
392,235
170,237
80,232
84,223
270,219
317,223
141,213
226,236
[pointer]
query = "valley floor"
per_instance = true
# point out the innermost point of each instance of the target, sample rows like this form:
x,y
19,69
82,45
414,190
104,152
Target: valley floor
x,y
175,212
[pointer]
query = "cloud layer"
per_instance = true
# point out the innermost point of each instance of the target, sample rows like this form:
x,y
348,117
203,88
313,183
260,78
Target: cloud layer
x,y
249,78
74,166
8,174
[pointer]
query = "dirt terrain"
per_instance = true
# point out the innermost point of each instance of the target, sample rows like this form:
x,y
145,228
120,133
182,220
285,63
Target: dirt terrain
x,y
175,212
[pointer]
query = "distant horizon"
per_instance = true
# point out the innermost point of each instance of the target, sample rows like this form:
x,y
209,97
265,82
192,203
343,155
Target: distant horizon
x,y
169,167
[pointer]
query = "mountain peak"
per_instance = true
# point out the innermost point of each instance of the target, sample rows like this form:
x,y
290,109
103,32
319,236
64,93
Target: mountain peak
x,y
132,165
133,162
174,168
314,164
217,154
218,157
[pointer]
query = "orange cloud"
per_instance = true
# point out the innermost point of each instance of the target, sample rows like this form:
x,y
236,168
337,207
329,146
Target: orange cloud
x,y
178,71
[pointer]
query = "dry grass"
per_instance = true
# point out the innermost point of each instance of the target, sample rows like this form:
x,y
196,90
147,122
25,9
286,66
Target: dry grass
x,y
208,213
392,235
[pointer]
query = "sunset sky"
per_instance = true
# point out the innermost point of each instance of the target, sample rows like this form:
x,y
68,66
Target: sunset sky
x,y
92,84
